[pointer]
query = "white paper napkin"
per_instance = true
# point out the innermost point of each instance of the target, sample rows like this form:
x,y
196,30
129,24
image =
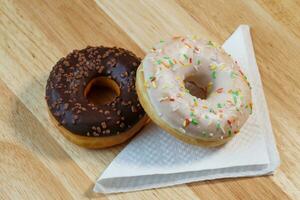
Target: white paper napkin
x,y
155,159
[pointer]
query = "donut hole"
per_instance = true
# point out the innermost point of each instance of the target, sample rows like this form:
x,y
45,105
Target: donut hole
x,y
197,85
101,90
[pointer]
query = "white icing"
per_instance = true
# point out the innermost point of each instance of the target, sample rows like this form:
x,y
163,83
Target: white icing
x,y
228,104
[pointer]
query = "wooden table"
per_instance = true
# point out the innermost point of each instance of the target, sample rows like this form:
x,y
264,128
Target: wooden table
x,y
37,161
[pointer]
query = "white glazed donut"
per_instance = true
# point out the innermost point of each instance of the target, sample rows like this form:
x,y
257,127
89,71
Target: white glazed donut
x,y
162,81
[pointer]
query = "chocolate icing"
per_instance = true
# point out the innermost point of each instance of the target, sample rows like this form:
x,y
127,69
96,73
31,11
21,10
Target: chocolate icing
x,y
67,82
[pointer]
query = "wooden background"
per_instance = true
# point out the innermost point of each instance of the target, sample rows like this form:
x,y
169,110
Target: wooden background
x,y
36,161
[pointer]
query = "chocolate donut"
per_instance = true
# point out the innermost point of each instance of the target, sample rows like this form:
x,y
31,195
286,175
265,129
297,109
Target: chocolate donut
x,y
89,124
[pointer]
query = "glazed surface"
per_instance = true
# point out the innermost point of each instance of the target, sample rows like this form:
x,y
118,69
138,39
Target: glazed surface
x,y
72,109
227,104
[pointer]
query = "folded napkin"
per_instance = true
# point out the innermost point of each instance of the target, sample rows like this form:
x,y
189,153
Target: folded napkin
x,y
156,159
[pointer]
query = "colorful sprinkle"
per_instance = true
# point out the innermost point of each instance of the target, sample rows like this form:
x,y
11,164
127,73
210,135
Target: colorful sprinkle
x,y
181,62
242,73
163,99
204,107
233,75
234,99
244,78
195,102
154,84
181,84
209,86
219,90
213,67
185,56
251,107
180,94
166,98
214,75
229,122
187,45
166,65
211,110
194,122
229,133
218,125
152,78
222,67
210,43
176,37
230,102
186,122
170,62
235,94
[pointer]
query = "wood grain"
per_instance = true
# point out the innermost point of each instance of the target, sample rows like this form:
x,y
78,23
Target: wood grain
x,y
37,161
